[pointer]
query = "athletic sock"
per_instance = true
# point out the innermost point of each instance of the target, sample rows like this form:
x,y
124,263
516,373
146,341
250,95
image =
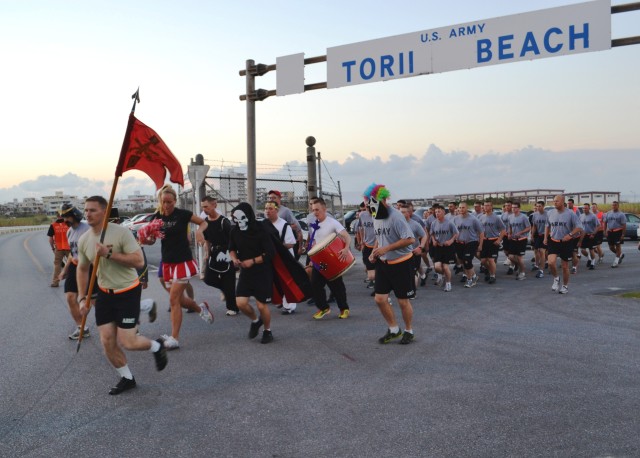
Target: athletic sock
x,y
410,331
395,329
155,346
256,320
125,372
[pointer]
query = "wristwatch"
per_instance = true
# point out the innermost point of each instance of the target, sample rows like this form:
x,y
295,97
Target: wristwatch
x,y
109,253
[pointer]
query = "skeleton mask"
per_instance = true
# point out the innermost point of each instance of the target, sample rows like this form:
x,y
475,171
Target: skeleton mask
x,y
377,208
241,219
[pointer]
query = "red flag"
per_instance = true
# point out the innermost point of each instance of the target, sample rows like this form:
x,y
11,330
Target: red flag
x,y
144,150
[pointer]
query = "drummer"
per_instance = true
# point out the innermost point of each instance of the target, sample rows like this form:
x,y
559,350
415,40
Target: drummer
x,y
321,227
393,263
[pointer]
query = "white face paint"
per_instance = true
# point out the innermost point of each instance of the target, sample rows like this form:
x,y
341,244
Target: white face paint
x,y
241,220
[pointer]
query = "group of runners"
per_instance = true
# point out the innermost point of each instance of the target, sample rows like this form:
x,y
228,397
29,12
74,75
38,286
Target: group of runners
x,y
398,249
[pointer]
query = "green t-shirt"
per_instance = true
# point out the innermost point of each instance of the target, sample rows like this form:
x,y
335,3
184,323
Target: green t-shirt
x,y
111,275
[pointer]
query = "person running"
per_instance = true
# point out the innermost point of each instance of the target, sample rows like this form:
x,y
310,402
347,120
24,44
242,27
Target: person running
x,y
117,306
590,224
322,228
615,227
76,227
494,232
57,234
562,227
252,251
507,209
538,224
599,237
417,247
286,214
443,235
393,263
178,265
368,240
219,271
519,228
469,242
283,232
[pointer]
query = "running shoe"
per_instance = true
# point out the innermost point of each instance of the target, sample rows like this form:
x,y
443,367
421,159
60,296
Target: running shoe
x,y
457,269
447,287
468,284
440,280
564,289
574,270
592,267
621,258
556,284
153,313
170,343
534,268
255,327
474,280
510,271
160,356
231,313
123,385
321,313
205,313
407,338
389,336
521,276
267,337
540,274
588,262
615,263
463,279
423,280
75,335
370,285
492,280
344,314
288,311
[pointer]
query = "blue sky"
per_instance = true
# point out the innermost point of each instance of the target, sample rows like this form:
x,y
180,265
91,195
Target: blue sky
x,y
69,68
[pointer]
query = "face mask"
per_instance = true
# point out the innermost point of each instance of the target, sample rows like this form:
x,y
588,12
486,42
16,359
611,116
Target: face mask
x,y
241,220
377,209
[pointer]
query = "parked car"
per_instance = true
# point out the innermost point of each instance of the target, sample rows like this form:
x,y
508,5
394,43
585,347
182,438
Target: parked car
x,y
140,222
633,226
133,219
349,217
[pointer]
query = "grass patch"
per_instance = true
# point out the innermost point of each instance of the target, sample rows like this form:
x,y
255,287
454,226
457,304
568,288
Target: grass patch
x,y
631,294
26,221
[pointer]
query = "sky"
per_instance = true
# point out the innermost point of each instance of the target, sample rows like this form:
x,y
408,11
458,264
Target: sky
x,y
69,69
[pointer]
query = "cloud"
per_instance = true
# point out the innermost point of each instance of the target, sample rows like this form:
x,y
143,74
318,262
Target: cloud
x,y
435,172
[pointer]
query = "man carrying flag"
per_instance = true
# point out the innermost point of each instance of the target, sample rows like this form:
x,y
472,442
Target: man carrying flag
x,y
118,301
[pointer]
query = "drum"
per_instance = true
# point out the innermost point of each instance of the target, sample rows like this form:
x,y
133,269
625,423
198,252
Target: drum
x,y
324,257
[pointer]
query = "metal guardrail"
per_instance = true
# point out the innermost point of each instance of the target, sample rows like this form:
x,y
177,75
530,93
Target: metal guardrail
x,y
14,229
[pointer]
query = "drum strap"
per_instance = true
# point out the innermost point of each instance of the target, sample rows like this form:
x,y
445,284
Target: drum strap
x,y
315,226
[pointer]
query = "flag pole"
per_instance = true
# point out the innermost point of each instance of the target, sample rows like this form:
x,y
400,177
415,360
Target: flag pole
x,y
105,221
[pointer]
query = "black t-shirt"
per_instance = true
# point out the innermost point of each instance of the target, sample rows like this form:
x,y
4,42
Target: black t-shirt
x,y
252,244
175,244
217,234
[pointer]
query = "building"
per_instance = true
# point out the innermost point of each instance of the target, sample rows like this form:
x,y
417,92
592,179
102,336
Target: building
x,y
136,203
52,204
589,197
233,186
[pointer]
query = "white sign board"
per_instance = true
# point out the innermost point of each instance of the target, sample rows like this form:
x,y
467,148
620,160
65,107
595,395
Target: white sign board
x,y
290,74
561,31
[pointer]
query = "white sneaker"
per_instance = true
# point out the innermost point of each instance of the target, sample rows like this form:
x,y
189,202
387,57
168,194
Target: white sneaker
x,y
556,284
506,262
520,276
615,263
447,287
564,289
205,313
440,280
170,343
231,313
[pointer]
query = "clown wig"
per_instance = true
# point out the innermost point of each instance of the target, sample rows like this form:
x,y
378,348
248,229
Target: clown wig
x,y
377,191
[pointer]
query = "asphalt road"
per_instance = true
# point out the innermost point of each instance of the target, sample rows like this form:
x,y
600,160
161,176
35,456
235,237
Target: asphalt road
x,y
509,369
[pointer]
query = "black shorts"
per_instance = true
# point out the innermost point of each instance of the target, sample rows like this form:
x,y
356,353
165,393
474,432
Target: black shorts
x,y
256,281
506,245
489,249
538,242
518,247
564,250
120,308
466,251
598,239
395,277
366,252
587,242
615,237
417,260
71,282
444,254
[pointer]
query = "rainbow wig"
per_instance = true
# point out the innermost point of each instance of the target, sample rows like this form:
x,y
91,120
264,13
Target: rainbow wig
x,y
377,191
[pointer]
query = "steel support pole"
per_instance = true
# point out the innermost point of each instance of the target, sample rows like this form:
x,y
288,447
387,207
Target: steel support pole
x,y
311,168
251,134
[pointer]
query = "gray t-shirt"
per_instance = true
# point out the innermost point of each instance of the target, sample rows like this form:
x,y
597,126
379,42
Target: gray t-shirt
x,y
73,235
492,224
390,230
417,219
418,233
369,235
443,231
561,223
615,220
469,228
518,224
429,221
589,222
539,221
287,215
